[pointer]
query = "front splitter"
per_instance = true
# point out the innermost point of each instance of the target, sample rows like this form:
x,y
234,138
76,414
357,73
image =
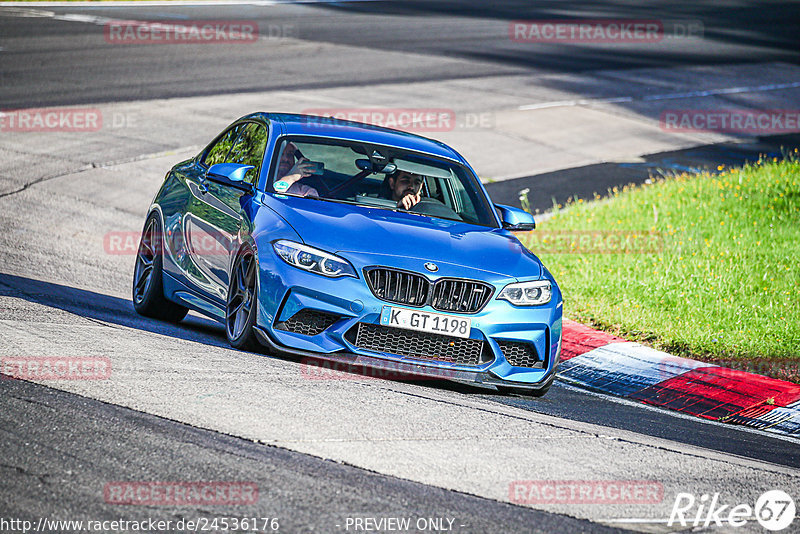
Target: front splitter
x,y
391,369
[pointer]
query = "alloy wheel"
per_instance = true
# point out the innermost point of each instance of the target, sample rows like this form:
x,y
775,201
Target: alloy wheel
x,y
145,259
241,297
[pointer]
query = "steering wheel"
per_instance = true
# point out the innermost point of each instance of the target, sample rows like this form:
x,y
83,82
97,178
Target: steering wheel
x,y
434,208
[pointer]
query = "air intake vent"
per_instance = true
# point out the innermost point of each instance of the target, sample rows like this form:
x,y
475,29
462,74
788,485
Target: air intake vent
x,y
308,322
418,345
520,354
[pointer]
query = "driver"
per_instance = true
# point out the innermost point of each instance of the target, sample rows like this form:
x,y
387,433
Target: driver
x,y
291,172
405,188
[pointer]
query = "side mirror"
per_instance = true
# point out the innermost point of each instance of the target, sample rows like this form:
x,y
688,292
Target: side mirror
x,y
515,219
232,174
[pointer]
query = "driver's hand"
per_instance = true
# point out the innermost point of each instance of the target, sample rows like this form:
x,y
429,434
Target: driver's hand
x,y
409,201
303,168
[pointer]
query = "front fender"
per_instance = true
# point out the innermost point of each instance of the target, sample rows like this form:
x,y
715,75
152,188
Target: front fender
x,y
268,226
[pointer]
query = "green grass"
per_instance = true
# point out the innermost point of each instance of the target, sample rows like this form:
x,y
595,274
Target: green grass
x,y
712,270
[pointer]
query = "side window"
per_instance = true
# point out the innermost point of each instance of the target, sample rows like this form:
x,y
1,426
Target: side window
x,y
466,201
217,153
249,149
435,189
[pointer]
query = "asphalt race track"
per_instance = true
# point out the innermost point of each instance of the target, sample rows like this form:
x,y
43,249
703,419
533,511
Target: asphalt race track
x,y
368,42
181,406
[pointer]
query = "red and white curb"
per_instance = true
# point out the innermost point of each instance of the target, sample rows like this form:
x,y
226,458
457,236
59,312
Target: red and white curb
x,y
603,362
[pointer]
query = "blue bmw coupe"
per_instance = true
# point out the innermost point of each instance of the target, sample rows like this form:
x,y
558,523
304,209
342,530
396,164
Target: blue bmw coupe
x,y
348,242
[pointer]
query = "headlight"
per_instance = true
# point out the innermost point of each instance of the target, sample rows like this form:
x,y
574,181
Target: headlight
x,y
527,293
311,259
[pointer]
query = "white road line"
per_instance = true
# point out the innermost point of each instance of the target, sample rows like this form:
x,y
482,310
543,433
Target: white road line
x,y
676,522
581,102
76,17
103,21
635,520
667,96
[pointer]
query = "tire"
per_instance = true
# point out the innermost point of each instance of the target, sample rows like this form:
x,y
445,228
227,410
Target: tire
x,y
148,290
242,304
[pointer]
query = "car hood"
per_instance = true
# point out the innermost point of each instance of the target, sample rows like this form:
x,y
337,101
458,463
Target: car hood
x,y
372,236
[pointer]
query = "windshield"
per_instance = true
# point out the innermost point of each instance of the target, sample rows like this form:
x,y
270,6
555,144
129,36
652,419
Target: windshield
x,y
379,177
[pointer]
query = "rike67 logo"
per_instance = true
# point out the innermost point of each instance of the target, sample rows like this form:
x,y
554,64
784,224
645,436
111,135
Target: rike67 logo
x,y
774,510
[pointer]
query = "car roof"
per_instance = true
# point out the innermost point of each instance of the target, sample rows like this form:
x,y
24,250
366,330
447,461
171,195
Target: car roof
x,y
329,127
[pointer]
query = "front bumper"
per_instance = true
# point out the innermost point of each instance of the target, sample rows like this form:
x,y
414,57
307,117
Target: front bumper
x,y
285,290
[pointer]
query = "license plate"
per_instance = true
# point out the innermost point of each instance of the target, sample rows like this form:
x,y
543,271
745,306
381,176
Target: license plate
x,y
434,323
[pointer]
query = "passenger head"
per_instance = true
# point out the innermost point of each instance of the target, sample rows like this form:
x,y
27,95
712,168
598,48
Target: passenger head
x,y
286,162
